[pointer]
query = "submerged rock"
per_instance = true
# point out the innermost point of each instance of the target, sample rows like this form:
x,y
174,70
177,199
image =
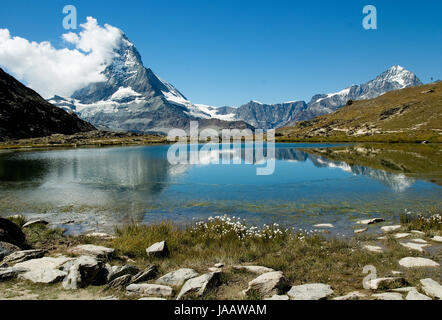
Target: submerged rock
x,y
35,222
390,228
370,221
324,225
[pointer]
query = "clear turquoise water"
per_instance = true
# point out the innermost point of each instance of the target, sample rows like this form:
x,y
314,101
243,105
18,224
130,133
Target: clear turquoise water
x,y
108,186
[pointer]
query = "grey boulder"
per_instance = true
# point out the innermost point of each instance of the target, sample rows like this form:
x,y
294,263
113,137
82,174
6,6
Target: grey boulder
x,y
199,286
146,275
432,288
25,255
99,252
268,284
313,291
7,248
158,249
146,289
118,271
44,270
178,277
83,271
9,273
120,282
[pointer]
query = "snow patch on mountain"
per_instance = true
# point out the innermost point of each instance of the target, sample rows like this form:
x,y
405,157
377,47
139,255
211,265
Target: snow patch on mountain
x,y
213,112
124,93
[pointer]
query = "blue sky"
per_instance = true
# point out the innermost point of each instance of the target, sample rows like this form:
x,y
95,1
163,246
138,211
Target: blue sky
x,y
226,52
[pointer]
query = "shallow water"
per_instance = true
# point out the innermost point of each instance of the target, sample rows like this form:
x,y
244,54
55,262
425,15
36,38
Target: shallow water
x,y
99,188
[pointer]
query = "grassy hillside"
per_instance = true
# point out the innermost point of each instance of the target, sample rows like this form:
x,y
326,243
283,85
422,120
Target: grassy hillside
x,y
408,115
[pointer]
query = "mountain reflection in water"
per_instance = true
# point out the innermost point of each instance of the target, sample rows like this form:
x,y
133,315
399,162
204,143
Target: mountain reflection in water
x,y
139,183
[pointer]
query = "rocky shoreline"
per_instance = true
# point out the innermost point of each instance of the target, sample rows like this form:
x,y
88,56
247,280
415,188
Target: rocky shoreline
x,y
97,138
89,263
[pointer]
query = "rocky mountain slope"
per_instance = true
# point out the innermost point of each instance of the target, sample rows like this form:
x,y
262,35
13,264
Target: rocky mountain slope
x,y
267,116
25,114
411,114
394,78
133,98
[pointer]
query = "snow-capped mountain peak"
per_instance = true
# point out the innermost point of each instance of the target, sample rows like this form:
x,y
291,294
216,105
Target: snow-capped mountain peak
x,y
134,98
394,78
400,75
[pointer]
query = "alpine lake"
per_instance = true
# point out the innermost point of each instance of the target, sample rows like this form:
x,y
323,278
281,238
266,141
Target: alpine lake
x,y
96,189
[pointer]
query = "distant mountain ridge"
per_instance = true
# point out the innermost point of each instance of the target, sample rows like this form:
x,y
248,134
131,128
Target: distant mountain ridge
x,y
268,116
408,115
25,114
133,98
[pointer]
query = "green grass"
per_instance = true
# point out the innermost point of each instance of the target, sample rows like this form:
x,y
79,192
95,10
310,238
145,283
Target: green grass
x,y
38,234
18,220
431,223
303,259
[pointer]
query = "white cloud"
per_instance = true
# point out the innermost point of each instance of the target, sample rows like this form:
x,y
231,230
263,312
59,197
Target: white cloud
x,y
51,71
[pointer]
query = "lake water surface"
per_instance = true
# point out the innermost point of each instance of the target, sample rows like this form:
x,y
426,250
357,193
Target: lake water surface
x,y
98,188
